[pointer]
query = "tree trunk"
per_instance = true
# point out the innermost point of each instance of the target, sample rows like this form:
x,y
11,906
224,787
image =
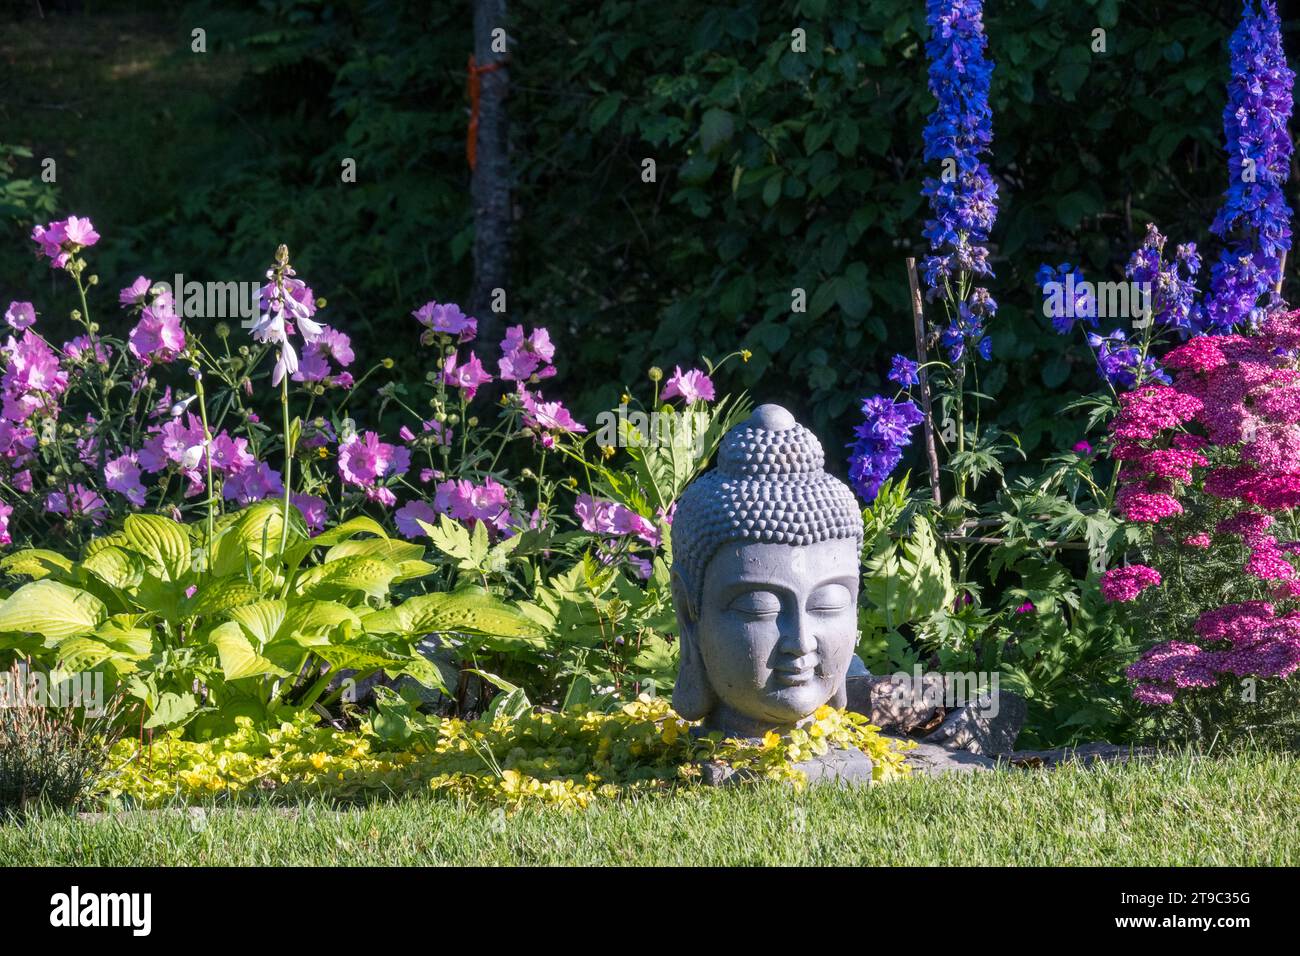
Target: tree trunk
x,y
490,180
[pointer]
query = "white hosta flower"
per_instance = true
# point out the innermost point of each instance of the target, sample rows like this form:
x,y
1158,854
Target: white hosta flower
x,y
286,364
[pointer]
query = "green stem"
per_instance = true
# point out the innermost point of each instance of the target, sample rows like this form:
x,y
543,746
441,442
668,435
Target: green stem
x,y
288,460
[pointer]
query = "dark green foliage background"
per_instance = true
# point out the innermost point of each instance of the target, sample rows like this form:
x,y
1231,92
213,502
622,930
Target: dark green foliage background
x,y
776,170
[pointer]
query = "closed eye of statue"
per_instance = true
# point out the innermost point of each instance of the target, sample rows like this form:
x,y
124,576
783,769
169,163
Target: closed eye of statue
x,y
830,598
757,604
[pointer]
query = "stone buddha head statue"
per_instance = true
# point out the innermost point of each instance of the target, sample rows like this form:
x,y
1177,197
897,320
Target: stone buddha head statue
x,y
765,581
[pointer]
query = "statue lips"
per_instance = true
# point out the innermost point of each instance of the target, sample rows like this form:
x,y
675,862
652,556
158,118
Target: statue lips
x,y
796,671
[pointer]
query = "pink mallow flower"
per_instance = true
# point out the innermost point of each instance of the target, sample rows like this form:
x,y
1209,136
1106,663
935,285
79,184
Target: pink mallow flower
x,y
690,387
253,484
471,503
20,315
59,241
523,356
409,516
5,511
364,461
313,509
447,319
136,293
158,336
467,377
86,503
547,419
33,379
122,474
1125,584
610,517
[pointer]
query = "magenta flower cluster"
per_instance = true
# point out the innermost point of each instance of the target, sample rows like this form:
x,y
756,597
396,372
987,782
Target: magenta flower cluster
x,y
1223,438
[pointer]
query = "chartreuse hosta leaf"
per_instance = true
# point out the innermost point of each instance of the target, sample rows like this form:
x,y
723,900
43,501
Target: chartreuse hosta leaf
x,y
222,595
237,655
53,610
368,576
254,535
464,612
341,532
385,549
164,543
37,563
306,622
117,568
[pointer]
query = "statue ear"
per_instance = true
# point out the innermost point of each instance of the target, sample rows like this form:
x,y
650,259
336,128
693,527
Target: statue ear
x,y
693,696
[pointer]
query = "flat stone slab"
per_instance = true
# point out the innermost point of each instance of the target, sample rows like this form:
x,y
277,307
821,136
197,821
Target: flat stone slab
x,y
931,760
1086,754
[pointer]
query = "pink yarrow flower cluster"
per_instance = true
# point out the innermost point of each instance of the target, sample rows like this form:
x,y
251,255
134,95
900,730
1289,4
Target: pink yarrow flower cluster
x,y
1243,392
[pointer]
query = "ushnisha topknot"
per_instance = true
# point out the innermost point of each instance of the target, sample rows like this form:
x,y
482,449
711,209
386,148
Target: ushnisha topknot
x,y
770,486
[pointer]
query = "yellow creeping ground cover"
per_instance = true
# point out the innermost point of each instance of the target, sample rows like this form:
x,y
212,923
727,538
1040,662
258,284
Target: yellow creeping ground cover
x,y
566,759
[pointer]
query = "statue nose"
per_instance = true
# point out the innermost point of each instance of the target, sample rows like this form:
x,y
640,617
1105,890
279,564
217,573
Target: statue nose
x,y
797,638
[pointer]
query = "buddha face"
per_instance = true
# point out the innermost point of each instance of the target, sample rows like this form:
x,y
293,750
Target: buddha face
x,y
776,630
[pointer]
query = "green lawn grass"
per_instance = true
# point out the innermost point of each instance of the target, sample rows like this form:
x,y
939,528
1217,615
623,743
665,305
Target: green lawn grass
x,y
1239,809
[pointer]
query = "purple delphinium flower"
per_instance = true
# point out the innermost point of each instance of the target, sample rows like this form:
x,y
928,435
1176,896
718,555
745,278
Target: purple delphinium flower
x,y
1066,299
958,135
1254,219
1120,362
881,438
904,371
1171,284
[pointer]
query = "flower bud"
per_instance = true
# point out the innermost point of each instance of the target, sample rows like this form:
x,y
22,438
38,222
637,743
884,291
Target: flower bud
x,y
387,363
223,330
656,373
92,280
